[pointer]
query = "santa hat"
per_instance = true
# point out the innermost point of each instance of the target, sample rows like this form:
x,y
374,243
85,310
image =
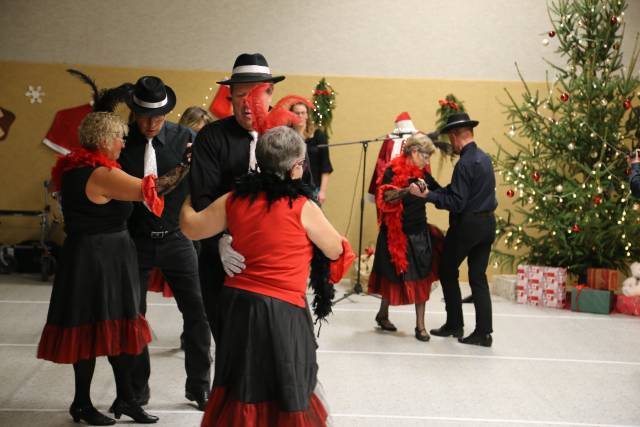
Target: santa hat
x,y
63,134
404,125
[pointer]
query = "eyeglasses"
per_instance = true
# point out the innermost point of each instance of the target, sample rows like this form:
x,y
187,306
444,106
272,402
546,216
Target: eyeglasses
x,y
302,163
425,155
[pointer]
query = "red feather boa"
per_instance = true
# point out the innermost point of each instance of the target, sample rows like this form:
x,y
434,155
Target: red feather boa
x,y
262,119
391,213
77,159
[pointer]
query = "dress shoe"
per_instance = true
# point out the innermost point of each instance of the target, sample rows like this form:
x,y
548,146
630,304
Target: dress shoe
x,y
200,398
90,415
476,338
385,324
446,331
422,335
468,299
132,410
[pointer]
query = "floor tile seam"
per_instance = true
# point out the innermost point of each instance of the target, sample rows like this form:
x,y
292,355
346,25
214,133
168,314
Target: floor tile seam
x,y
480,420
363,310
414,354
481,356
371,416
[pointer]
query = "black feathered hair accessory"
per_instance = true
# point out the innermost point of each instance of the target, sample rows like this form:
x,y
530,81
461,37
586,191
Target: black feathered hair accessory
x,y
106,99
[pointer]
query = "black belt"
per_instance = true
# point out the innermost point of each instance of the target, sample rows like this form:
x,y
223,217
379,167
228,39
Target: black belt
x,y
155,235
482,213
472,214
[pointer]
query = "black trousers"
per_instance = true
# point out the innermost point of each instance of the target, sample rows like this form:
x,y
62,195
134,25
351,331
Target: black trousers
x,y
470,237
212,277
176,257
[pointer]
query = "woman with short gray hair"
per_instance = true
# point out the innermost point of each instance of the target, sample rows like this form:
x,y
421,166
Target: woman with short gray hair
x,y
266,351
278,150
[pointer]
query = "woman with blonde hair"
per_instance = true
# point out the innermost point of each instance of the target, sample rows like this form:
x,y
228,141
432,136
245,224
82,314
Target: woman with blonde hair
x,y
402,272
316,140
196,118
94,307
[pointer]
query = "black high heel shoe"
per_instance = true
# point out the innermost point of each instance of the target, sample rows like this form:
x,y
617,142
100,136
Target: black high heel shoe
x,y
134,411
90,415
385,324
422,335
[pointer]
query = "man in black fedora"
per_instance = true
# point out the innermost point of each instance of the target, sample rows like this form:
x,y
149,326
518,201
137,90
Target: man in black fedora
x,y
154,146
223,151
471,202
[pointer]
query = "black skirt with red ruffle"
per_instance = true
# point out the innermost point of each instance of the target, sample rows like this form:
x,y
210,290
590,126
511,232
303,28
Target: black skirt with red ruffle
x,y
266,369
94,307
413,286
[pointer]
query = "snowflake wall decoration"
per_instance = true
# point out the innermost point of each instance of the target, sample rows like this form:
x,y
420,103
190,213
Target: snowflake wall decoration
x,y
35,94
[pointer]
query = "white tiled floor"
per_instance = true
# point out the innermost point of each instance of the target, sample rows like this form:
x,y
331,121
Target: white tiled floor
x,y
546,367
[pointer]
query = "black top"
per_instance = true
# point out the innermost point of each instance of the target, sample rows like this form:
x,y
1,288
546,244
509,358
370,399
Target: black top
x,y
414,214
220,155
169,146
81,215
634,179
319,160
473,185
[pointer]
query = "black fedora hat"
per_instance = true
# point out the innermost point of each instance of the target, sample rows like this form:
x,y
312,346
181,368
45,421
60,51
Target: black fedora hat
x,y
458,120
251,68
151,97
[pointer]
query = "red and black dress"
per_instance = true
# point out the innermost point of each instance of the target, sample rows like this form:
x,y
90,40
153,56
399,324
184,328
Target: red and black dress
x,y
265,366
94,307
405,263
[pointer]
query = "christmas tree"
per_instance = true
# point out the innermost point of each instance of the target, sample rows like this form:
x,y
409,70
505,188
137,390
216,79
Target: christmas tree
x,y
567,173
324,99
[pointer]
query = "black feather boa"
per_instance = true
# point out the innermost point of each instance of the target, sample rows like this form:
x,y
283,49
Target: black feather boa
x,y
275,188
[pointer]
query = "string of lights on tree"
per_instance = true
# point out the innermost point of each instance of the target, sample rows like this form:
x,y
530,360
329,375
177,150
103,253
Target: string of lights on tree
x,y
324,98
566,176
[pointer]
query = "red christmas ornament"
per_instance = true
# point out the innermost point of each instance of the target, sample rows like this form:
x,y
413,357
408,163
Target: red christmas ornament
x,y
627,171
614,20
536,176
552,33
597,200
627,104
510,193
575,228
564,97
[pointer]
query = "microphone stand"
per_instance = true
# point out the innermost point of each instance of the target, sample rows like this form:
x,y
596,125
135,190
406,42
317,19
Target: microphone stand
x,y
357,287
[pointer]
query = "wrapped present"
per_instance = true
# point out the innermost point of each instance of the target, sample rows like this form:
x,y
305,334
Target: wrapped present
x,y
555,283
541,286
504,285
628,305
522,293
602,278
587,300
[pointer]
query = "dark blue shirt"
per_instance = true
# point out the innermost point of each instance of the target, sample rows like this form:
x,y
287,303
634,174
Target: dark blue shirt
x,y
169,146
473,184
634,179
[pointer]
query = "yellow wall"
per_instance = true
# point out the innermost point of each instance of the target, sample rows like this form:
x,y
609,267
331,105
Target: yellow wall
x,y
366,108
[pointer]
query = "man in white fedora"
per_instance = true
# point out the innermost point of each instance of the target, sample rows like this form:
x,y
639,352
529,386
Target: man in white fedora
x,y
155,146
223,151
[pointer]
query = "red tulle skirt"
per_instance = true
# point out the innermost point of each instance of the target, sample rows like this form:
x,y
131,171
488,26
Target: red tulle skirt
x,y
105,338
157,283
408,292
222,410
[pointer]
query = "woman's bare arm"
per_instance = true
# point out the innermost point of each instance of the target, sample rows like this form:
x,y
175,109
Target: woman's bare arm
x,y
320,231
206,223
